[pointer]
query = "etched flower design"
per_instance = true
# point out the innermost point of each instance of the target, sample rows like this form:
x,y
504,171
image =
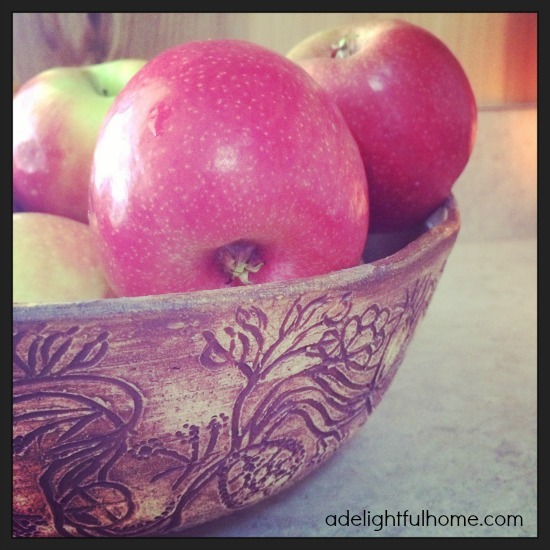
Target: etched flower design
x,y
308,378
98,505
257,471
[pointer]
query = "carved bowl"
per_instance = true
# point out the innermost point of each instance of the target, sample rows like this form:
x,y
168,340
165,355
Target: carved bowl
x,y
142,416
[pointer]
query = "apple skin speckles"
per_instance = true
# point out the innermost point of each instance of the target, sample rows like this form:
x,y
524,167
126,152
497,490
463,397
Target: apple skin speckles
x,y
218,143
409,105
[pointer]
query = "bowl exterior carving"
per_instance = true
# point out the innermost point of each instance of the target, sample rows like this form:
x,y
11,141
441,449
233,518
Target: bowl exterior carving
x,y
141,416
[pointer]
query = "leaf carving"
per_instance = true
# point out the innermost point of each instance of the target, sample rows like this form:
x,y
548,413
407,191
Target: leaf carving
x,y
91,353
55,353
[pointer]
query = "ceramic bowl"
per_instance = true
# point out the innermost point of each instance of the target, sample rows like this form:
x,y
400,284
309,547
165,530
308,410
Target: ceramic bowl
x,y
137,417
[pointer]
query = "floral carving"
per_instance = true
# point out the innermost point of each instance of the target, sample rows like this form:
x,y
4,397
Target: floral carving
x,y
307,381
44,354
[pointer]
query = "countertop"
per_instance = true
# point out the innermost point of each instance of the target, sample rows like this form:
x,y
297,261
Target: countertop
x,y
456,433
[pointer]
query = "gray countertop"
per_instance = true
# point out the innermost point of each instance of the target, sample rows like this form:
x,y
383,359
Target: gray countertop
x,y
456,433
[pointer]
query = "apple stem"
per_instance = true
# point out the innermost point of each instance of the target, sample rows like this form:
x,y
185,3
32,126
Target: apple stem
x,y
345,47
238,259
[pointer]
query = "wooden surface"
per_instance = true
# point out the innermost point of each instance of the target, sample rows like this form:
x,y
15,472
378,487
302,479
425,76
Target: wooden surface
x,y
497,50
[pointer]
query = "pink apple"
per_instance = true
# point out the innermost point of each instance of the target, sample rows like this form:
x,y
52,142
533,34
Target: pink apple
x,y
223,162
56,119
410,106
55,260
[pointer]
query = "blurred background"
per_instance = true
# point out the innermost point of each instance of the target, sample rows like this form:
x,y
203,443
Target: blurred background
x,y
497,50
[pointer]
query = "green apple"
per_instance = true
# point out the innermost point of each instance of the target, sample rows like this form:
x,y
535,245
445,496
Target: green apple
x,y
56,120
55,260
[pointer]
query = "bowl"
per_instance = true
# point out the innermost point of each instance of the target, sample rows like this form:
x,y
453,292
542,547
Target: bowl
x,y
136,417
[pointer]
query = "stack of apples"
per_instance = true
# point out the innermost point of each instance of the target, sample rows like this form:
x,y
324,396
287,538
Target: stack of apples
x,y
221,163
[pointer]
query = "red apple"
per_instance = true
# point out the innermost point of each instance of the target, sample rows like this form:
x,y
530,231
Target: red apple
x,y
223,162
410,106
56,119
55,260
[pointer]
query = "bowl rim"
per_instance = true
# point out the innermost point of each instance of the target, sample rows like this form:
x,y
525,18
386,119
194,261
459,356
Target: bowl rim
x,y
441,226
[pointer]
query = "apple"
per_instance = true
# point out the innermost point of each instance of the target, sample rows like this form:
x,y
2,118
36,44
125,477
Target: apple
x,y
55,260
409,105
56,119
223,163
